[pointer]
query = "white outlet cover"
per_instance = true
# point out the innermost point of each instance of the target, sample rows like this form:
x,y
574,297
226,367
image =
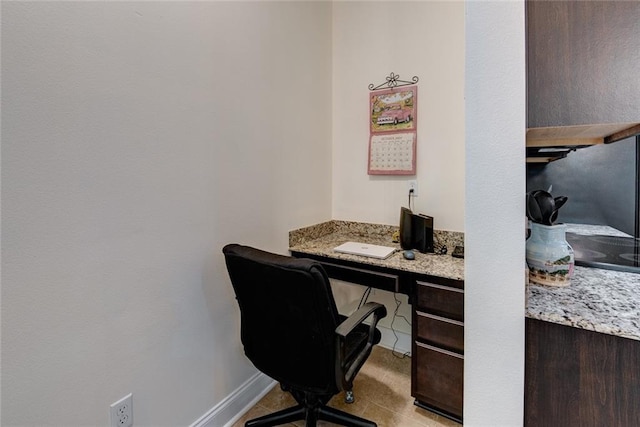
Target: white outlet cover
x,y
413,185
121,412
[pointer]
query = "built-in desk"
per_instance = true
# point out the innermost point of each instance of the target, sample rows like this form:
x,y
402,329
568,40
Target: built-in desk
x,y
435,286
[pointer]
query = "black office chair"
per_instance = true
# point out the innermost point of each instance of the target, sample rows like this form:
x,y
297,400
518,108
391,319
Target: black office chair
x,y
292,332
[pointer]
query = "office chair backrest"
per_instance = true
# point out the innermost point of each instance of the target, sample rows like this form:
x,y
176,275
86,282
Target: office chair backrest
x,y
288,316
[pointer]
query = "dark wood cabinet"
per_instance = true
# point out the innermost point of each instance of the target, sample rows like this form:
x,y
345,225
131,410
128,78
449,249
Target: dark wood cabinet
x,y
441,300
437,377
439,380
582,62
582,75
440,331
575,377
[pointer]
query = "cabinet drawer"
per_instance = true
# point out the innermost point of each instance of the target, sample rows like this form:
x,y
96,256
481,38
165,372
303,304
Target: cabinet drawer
x,y
378,280
438,382
440,300
440,331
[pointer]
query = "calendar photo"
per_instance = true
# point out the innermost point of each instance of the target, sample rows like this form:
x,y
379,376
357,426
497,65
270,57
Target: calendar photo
x,y
393,110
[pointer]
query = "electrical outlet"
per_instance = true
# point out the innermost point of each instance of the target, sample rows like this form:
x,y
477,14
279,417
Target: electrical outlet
x,y
413,185
121,412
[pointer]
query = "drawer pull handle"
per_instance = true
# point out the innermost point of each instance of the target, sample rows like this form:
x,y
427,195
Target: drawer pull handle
x,y
440,350
439,318
446,288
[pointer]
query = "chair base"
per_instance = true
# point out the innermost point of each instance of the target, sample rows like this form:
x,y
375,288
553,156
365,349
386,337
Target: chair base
x,y
312,408
311,415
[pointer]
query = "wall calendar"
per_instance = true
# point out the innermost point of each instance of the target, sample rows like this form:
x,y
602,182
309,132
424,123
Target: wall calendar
x,y
393,128
392,154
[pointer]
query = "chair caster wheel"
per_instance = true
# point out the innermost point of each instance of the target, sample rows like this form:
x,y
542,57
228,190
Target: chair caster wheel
x,y
348,397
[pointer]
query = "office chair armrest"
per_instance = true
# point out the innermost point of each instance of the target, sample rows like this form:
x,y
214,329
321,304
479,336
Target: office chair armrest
x,y
345,374
359,316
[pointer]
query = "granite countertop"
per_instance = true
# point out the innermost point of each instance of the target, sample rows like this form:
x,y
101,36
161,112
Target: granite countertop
x,y
595,230
597,300
321,239
604,301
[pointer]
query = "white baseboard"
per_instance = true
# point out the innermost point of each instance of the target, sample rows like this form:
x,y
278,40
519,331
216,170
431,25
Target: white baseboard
x,y
234,406
403,345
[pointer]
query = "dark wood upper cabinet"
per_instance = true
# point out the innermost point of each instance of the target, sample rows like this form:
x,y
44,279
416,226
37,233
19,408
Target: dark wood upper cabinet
x,y
583,62
583,68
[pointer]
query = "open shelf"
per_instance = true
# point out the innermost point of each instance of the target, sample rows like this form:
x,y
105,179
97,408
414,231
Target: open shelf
x,y
546,144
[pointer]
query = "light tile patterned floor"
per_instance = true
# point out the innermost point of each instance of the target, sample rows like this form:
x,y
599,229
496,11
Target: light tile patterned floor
x,y
383,395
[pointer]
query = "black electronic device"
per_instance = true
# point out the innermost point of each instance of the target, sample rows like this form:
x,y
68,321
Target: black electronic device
x,y
406,236
422,230
416,231
458,252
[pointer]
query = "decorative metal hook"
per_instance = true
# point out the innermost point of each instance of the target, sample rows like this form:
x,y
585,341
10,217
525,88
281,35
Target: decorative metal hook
x,y
392,81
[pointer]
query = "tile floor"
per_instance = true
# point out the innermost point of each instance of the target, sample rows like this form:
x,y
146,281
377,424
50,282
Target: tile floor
x,y
383,395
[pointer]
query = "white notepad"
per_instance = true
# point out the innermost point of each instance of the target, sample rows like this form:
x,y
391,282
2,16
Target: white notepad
x,y
365,249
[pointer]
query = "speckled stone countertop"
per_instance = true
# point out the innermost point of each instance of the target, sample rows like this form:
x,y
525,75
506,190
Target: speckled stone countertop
x,y
322,238
598,300
595,230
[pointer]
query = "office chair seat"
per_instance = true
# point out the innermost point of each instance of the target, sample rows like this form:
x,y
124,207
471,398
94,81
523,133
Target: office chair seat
x,y
292,332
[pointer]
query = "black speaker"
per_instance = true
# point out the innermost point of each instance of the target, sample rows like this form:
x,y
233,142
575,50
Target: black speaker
x,y
406,227
416,231
422,231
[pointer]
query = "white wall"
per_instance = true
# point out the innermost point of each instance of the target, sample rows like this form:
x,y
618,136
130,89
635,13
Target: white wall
x,y
494,220
371,40
425,39
138,138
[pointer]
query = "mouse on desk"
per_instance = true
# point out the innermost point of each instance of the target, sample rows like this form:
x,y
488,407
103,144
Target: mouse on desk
x,y
409,255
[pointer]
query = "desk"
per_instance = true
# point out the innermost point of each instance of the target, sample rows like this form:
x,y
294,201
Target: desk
x,y
435,287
